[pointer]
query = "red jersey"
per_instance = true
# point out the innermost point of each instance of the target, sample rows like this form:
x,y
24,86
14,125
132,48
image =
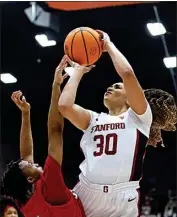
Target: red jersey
x,y
50,182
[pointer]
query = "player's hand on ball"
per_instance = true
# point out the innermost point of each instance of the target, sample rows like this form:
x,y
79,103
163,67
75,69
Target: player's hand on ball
x,y
20,101
105,38
77,67
59,77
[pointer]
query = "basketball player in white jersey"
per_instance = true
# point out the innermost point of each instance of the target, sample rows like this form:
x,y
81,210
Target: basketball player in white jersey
x,y
111,170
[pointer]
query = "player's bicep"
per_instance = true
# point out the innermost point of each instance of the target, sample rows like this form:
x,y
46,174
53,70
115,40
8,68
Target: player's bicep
x,y
78,116
135,94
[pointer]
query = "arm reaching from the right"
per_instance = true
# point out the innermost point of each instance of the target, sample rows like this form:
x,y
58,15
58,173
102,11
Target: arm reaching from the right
x,y
77,115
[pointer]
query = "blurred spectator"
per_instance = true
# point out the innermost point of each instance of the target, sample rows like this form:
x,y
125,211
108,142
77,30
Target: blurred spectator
x,y
8,208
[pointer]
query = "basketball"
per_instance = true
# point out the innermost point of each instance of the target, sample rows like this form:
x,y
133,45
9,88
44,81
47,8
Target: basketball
x,y
83,45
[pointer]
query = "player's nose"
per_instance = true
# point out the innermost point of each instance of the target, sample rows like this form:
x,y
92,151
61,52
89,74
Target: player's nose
x,y
110,89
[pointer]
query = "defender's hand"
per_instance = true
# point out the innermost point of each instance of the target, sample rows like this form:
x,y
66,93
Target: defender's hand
x,y
59,78
20,101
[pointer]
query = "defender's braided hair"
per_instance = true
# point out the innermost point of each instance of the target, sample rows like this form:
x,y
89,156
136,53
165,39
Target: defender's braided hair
x,y
164,113
14,183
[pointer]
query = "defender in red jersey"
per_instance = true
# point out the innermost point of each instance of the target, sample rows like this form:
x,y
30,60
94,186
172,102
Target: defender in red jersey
x,y
38,192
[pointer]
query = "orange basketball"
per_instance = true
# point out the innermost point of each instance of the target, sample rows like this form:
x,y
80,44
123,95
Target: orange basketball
x,y
83,45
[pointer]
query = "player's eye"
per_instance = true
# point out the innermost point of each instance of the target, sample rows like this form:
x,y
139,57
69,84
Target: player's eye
x,y
117,86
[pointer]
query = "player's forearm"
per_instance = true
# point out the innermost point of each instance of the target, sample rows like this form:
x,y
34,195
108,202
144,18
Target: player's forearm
x,y
26,140
68,95
134,92
55,119
121,64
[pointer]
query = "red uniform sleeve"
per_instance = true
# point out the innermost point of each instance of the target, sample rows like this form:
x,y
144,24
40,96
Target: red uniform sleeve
x,y
54,189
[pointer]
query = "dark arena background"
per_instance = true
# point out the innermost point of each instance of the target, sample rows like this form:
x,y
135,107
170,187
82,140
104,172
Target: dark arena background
x,y
34,65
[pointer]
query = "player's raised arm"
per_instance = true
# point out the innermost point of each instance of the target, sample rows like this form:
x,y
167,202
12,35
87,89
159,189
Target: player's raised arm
x,y
135,94
77,115
55,119
26,140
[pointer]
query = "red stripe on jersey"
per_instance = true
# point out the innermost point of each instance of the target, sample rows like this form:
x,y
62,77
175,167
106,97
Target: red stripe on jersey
x,y
144,155
135,155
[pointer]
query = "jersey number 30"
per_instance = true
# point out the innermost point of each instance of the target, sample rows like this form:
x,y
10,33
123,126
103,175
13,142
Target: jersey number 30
x,y
104,144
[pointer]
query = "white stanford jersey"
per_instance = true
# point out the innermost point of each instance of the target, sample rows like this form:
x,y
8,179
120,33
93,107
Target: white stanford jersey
x,y
112,146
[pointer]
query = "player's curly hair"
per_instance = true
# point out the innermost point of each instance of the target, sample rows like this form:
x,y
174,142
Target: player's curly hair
x,y
7,201
164,113
14,183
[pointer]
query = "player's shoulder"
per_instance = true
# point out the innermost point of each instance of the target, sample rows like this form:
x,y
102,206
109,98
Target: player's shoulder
x,y
52,165
141,122
92,113
121,116
50,161
145,118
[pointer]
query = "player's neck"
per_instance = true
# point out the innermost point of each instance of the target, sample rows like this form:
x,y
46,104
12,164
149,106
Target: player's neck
x,y
117,111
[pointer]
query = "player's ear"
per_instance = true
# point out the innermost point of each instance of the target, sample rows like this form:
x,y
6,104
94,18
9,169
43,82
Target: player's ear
x,y
30,180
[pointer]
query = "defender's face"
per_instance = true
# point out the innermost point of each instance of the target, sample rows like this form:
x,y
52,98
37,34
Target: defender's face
x,y
31,170
115,92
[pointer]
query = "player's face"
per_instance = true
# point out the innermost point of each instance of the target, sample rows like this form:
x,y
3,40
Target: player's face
x,y
30,170
115,94
10,212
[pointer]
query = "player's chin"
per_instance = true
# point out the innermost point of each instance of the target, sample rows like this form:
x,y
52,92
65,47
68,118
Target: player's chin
x,y
107,96
106,101
40,169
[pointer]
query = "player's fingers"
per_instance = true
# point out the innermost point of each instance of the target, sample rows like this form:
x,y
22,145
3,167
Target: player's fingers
x,y
70,61
23,99
63,61
101,33
91,67
18,96
65,76
13,96
64,66
61,68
